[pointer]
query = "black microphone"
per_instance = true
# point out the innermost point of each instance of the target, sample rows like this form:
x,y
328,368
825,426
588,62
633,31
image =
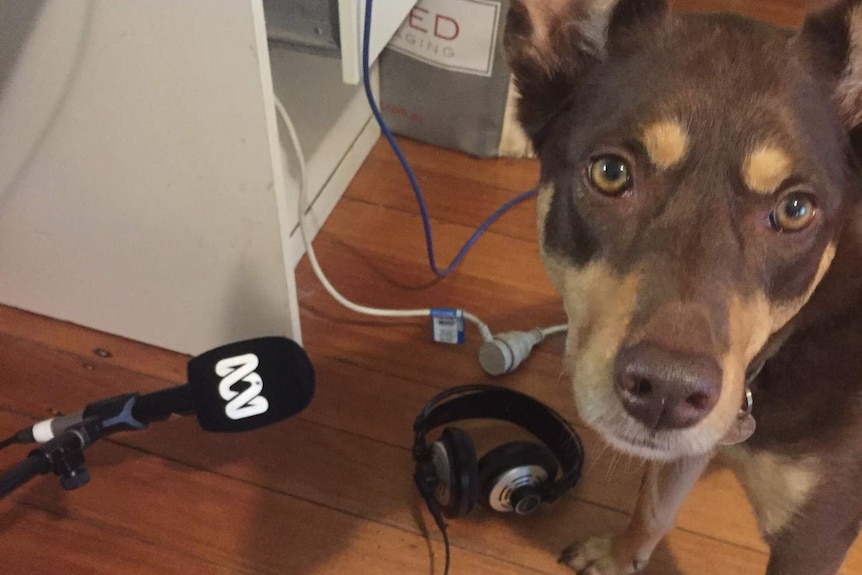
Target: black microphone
x,y
250,384
236,387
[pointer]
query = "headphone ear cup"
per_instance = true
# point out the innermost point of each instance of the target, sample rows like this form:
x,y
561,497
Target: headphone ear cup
x,y
513,465
455,459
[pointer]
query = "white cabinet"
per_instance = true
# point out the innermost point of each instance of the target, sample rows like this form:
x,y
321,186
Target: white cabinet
x,y
143,190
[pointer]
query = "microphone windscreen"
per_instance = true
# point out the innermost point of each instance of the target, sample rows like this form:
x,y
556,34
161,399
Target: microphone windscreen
x,y
249,384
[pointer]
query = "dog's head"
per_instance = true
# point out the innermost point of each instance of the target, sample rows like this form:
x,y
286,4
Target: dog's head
x,y
697,172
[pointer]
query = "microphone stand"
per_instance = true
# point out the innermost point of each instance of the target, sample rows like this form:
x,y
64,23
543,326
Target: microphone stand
x,y
64,438
63,455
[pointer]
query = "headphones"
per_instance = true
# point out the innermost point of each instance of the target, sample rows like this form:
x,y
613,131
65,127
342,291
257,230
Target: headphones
x,y
514,477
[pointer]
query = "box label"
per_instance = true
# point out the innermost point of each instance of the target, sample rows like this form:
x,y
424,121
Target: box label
x,y
457,35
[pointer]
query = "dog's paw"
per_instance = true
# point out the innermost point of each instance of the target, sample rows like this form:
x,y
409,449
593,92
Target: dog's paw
x,y
600,556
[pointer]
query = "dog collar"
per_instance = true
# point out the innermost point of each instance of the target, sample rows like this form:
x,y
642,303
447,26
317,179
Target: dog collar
x,y
743,428
748,399
747,404
751,374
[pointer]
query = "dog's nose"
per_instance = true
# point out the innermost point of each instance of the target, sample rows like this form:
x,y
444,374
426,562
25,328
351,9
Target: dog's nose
x,y
666,390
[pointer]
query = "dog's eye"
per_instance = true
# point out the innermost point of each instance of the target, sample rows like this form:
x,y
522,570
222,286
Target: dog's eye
x,y
610,175
793,213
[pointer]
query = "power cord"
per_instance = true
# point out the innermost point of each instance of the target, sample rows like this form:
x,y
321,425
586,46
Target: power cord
x,y
506,351
498,355
312,256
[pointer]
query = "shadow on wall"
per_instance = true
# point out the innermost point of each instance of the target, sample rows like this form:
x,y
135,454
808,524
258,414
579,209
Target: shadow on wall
x,y
18,18
16,21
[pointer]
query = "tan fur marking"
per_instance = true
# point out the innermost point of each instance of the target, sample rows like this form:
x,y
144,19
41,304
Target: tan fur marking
x,y
777,486
514,142
752,322
666,143
599,305
781,314
766,168
748,331
555,266
543,206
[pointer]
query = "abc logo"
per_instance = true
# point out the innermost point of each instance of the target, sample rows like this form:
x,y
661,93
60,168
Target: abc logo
x,y
248,402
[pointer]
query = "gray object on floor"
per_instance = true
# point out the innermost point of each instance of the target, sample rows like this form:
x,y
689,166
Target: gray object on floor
x,y
444,79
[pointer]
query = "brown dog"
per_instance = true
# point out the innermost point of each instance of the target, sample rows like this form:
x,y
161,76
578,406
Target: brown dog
x,y
698,214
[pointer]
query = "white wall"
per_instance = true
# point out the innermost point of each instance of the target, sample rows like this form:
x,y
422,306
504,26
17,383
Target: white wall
x,y
140,172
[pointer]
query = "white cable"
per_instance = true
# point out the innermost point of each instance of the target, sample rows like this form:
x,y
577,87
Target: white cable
x,y
498,355
312,258
555,329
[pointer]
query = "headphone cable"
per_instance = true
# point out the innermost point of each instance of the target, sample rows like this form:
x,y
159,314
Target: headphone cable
x,y
446,547
437,514
8,441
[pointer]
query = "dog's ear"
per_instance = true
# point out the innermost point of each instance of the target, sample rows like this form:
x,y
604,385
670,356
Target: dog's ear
x,y
833,38
633,21
550,44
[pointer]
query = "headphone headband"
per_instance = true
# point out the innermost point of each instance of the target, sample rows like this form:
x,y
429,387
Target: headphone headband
x,y
500,403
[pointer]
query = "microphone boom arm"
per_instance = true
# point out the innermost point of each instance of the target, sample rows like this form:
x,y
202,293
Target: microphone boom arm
x,y
63,455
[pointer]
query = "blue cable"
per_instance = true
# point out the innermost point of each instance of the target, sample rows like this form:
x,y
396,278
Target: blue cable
x,y
414,184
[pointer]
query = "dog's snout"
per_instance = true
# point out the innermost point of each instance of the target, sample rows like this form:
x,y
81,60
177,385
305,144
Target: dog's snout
x,y
664,389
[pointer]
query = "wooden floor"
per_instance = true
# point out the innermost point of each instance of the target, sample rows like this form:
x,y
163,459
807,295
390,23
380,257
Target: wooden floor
x,y
330,491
